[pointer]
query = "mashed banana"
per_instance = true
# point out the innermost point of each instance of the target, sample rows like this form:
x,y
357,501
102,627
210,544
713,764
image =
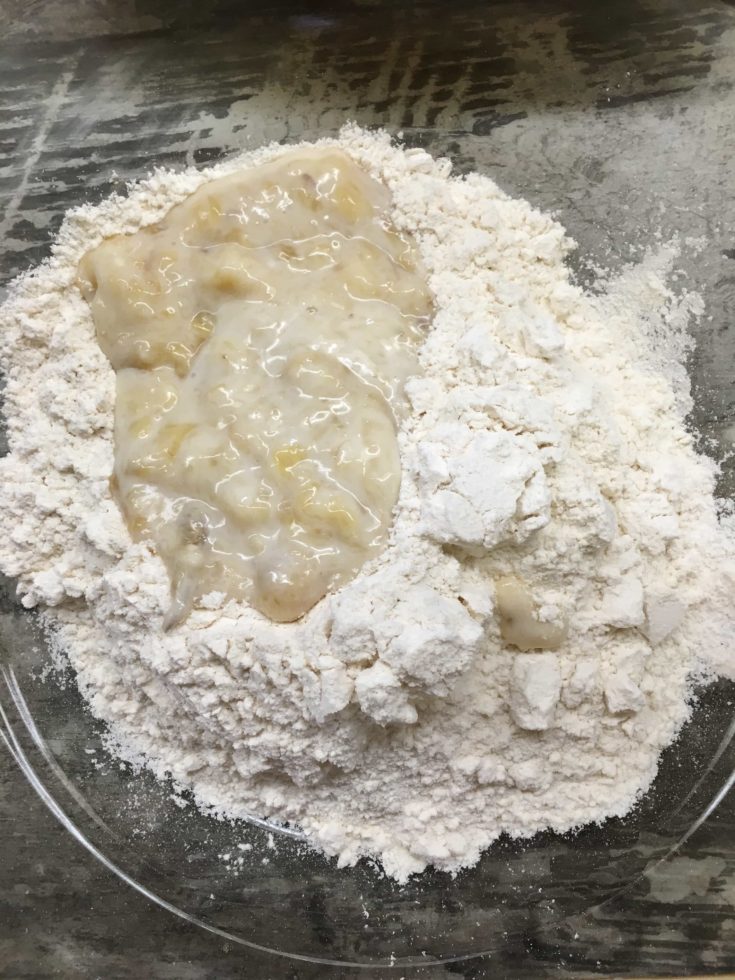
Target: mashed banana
x,y
261,334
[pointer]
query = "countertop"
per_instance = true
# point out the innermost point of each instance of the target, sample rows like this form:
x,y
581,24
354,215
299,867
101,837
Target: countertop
x,y
618,117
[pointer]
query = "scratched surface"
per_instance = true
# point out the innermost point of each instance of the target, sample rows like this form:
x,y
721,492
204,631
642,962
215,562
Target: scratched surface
x,y
619,117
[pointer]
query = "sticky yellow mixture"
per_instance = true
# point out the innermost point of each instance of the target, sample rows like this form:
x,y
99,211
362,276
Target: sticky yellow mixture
x,y
261,334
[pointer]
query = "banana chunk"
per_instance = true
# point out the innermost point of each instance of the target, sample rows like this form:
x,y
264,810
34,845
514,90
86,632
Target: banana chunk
x,y
520,625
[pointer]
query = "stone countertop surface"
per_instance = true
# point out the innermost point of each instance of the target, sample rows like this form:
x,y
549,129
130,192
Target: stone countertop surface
x,y
618,117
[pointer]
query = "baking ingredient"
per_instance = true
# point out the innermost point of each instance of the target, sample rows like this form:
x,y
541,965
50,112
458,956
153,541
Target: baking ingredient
x,y
555,575
261,334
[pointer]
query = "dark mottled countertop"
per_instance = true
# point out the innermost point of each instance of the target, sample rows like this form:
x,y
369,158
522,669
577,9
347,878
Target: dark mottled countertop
x,y
619,117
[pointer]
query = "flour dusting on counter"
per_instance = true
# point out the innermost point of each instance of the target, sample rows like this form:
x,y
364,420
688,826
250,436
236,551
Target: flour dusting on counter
x,y
555,578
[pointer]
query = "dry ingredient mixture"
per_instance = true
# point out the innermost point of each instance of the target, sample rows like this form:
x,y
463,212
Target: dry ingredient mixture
x,y
554,578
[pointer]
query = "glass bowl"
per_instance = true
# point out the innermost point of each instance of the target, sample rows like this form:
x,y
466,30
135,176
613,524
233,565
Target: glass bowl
x,y
258,885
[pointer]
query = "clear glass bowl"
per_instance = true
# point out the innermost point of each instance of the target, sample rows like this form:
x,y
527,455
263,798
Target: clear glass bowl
x,y
257,885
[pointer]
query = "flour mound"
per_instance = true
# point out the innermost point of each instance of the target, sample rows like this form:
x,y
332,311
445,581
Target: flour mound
x,y
545,442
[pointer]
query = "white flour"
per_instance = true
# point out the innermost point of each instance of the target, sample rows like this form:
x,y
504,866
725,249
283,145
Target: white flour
x,y
544,443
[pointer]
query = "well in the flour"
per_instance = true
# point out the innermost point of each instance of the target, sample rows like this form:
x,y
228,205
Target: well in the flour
x,y
261,334
518,648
